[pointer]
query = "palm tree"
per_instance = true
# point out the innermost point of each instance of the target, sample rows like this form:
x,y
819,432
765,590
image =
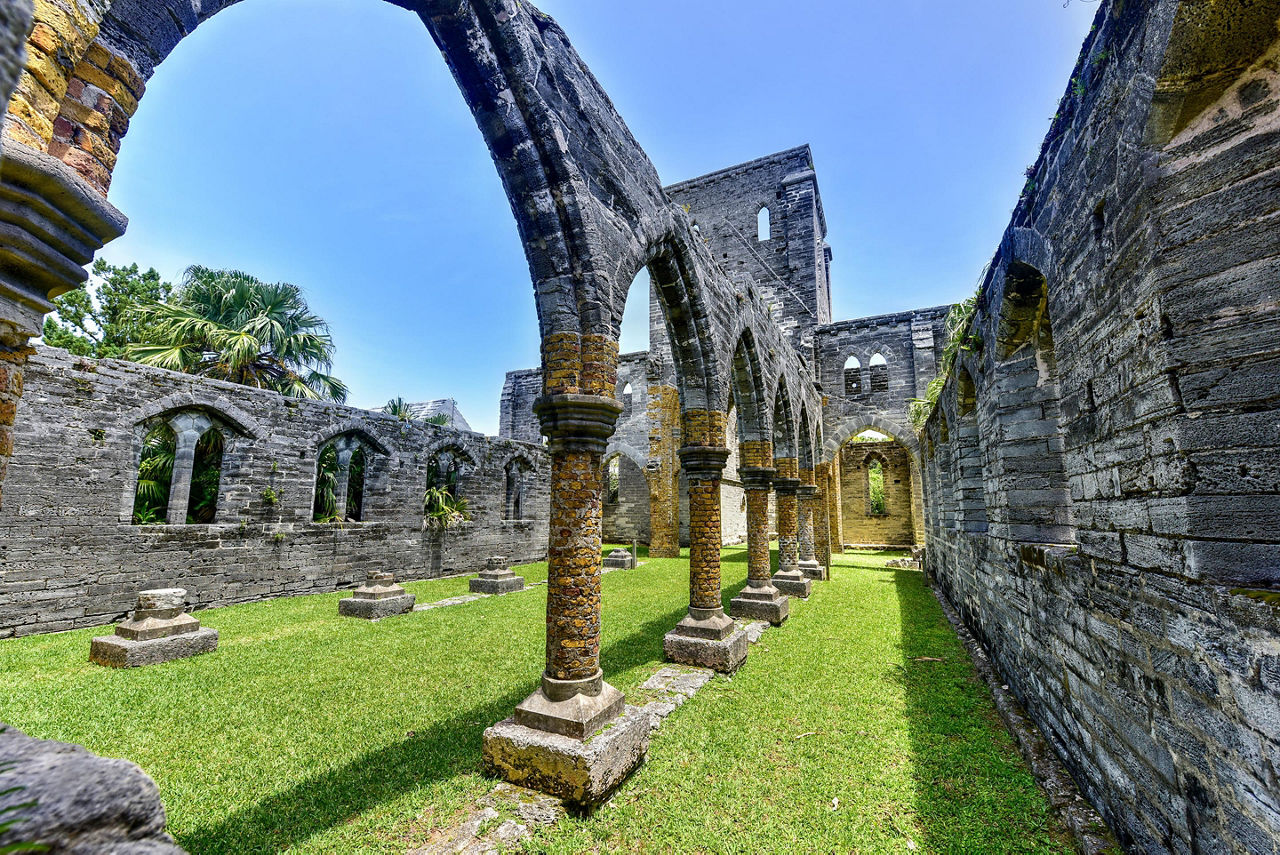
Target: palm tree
x,y
232,326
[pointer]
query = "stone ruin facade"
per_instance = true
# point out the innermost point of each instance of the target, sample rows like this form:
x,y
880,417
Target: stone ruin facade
x,y
1095,487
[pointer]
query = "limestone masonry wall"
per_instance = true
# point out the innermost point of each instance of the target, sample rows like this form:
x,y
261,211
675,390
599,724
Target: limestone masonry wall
x,y
1102,475
70,557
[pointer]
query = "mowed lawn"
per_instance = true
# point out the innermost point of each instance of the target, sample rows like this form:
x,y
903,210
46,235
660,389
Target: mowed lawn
x,y
312,733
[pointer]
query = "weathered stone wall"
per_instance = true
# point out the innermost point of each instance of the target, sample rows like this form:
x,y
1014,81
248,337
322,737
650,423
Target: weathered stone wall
x,y
627,519
789,269
1123,409
69,556
894,527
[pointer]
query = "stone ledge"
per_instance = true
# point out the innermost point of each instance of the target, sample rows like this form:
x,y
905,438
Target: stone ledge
x,y
116,652
376,609
580,772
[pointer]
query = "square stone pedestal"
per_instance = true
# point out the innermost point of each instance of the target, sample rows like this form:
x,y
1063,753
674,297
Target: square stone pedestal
x,y
620,559
813,570
583,772
761,604
116,652
793,584
496,578
707,640
159,630
377,598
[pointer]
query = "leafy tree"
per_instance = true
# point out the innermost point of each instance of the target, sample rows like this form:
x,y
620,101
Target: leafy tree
x,y
232,326
99,321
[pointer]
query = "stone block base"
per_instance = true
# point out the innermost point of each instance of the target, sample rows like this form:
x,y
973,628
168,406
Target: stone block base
x,y
725,656
580,772
496,584
795,586
813,570
116,652
375,609
774,610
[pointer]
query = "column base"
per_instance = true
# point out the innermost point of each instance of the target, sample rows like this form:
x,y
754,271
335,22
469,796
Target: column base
x,y
583,772
793,583
572,708
375,609
763,603
707,638
813,570
116,652
496,583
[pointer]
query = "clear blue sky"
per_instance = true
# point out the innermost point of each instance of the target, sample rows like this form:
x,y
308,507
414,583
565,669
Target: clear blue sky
x,y
323,142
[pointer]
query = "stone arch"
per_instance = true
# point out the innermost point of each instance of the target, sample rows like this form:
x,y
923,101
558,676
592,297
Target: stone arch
x,y
621,449
198,399
847,430
348,427
784,426
747,386
805,446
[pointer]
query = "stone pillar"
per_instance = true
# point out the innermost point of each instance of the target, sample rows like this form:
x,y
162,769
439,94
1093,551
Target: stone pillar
x,y
835,511
706,637
663,473
188,428
759,599
343,450
789,579
554,741
806,509
45,255
822,519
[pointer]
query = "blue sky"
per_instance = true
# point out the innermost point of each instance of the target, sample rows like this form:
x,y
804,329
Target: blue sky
x,y
323,142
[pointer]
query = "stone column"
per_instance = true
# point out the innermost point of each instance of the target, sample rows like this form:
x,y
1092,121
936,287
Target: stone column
x,y
822,519
188,428
759,599
706,636
577,414
807,506
54,223
663,473
789,579
343,450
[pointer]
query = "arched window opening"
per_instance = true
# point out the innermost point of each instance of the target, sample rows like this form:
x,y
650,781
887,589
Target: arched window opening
x,y
613,481
626,400
444,470
443,500
875,489
879,374
853,376
155,470
515,490
206,475
764,225
325,506
340,481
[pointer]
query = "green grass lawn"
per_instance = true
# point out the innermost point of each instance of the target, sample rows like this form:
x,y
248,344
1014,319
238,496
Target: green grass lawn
x,y
314,733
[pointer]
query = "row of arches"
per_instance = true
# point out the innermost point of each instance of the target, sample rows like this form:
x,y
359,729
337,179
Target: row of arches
x,y
180,473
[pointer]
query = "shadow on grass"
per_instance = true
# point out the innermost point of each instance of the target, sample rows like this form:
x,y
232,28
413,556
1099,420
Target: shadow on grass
x,y
445,750
972,786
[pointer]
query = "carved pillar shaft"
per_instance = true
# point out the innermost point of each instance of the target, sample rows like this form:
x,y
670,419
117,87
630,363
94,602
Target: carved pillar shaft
x,y
184,461
703,467
804,524
822,518
342,482
789,579
759,573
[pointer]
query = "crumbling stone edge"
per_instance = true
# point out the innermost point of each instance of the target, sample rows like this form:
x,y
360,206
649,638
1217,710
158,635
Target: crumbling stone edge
x,y
1091,833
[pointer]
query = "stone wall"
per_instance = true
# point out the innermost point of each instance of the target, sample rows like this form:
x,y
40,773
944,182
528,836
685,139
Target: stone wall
x,y
1103,501
70,557
861,527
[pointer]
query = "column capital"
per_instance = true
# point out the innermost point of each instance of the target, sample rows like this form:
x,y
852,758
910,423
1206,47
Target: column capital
x,y
577,422
786,486
807,491
703,461
757,477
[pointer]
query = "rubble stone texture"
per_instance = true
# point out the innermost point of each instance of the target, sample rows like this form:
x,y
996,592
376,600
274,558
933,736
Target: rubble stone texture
x,y
77,803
